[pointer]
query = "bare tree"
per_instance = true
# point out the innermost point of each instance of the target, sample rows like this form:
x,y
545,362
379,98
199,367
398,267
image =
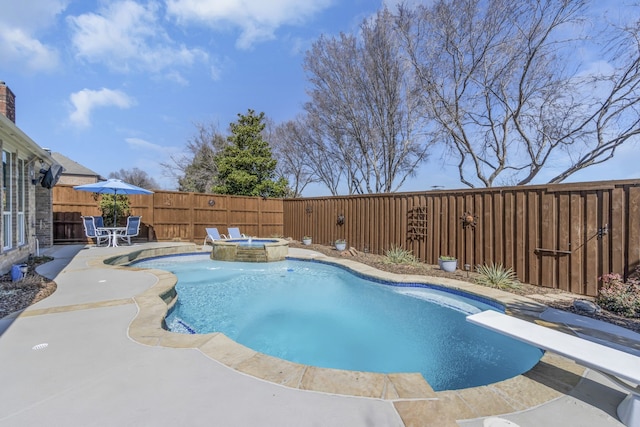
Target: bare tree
x,y
361,108
137,177
294,161
195,169
615,117
501,95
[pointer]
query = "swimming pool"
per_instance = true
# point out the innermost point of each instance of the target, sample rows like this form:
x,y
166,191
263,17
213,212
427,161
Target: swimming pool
x,y
320,315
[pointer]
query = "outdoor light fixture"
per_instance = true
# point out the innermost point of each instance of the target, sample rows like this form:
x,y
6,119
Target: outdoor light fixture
x,y
341,219
467,267
212,202
41,175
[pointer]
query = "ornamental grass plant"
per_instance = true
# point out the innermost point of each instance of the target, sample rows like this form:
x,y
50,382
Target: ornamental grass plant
x,y
496,276
397,255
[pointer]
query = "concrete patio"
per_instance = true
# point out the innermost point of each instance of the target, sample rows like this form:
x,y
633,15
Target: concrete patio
x,y
74,359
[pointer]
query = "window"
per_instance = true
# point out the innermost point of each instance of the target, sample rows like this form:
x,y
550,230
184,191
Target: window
x,y
7,195
21,223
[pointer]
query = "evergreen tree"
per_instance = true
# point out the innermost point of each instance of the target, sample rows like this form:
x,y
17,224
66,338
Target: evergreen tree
x,y
246,166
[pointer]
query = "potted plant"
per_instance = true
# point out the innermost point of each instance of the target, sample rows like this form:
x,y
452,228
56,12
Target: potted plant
x,y
448,263
306,240
341,244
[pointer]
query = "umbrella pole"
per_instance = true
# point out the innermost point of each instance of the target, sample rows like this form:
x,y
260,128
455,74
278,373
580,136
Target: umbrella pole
x,y
115,208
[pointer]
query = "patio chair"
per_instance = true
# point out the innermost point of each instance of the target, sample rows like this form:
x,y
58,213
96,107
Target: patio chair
x,y
213,235
234,233
132,230
98,221
91,231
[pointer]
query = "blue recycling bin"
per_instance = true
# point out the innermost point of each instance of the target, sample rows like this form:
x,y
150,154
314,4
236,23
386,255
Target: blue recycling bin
x,y
16,272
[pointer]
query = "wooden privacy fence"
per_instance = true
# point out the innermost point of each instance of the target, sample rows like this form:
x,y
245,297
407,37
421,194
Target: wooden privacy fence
x,y
561,236
170,216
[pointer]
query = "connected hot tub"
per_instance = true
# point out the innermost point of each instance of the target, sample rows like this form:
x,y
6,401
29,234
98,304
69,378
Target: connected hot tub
x,y
250,250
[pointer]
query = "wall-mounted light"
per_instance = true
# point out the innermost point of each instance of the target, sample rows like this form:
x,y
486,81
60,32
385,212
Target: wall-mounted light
x,y
211,202
309,209
36,179
341,219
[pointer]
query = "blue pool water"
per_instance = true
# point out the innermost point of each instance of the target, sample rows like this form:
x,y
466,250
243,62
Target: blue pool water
x,y
322,315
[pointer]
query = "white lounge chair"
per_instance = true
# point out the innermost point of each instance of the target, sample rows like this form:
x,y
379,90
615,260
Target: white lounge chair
x,y
213,235
234,233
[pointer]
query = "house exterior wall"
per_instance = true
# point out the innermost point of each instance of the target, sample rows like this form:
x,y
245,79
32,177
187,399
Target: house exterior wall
x,y
43,216
26,212
66,179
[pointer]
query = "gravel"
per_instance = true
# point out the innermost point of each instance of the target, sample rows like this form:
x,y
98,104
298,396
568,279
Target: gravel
x,y
16,296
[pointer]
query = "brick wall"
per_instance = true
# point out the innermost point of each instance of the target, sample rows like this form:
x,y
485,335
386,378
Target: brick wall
x,y
44,216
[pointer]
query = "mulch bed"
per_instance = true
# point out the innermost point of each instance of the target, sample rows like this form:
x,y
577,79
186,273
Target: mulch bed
x,y
16,296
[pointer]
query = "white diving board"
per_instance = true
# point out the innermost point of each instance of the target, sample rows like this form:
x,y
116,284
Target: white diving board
x,y
615,364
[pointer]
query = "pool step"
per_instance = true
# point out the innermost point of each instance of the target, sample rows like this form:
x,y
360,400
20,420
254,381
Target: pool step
x,y
251,255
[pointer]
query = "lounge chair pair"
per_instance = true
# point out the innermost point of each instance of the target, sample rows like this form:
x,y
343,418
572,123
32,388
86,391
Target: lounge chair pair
x,y
213,234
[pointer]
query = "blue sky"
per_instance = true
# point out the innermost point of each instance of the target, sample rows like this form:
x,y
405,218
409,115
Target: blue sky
x,y
120,84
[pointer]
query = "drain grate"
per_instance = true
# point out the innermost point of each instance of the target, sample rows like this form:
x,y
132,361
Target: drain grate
x,y
40,346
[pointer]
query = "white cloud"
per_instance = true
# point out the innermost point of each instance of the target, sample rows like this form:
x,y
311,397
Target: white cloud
x,y
86,100
144,145
257,19
31,15
20,24
151,157
18,47
125,35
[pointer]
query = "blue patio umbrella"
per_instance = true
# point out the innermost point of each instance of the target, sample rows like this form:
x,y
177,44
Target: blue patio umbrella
x,y
115,187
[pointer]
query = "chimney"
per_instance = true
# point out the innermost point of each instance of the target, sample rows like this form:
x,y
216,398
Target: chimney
x,y
7,102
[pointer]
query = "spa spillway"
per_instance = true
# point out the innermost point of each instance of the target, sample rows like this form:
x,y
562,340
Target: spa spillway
x,y
250,250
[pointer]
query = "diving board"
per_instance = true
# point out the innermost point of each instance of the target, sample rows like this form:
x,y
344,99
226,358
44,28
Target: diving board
x,y
615,364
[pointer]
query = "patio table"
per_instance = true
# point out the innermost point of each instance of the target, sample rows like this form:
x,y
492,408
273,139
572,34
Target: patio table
x,y
113,234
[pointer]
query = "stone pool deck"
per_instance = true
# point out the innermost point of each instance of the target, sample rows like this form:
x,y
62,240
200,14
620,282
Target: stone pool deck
x,y
107,361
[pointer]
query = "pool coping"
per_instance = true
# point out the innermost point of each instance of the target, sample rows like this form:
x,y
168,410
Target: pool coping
x,y
413,398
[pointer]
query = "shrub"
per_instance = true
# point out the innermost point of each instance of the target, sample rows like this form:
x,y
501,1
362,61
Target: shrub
x,y
619,297
397,255
447,258
496,276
